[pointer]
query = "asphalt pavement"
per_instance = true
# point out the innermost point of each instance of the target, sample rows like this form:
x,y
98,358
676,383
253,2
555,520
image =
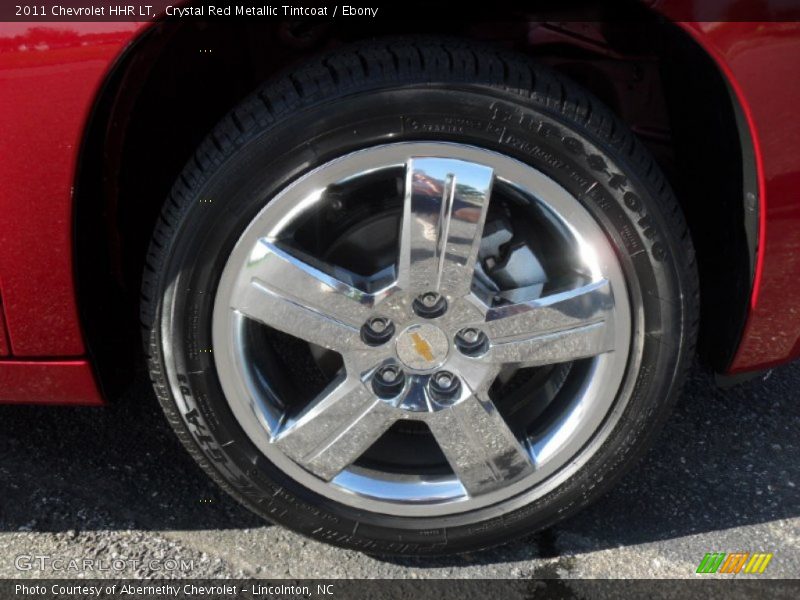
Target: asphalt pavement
x,y
113,484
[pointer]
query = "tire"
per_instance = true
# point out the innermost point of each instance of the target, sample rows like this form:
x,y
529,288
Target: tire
x,y
413,91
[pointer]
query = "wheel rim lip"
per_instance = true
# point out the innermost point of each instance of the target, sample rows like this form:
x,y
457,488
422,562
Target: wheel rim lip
x,y
440,497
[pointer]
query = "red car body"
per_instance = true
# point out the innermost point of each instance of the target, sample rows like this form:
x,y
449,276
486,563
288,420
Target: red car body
x,y
50,81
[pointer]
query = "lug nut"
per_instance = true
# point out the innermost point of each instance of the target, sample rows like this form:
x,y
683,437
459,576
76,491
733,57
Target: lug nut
x,y
388,381
444,380
430,305
471,341
430,299
444,385
377,331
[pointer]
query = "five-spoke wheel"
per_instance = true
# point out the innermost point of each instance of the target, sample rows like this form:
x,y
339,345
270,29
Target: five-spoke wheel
x,y
426,337
419,297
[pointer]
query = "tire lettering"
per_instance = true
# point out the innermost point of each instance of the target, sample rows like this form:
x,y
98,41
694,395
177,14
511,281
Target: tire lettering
x,y
505,114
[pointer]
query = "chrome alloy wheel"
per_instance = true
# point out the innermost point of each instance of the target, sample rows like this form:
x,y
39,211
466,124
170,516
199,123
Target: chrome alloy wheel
x,y
427,338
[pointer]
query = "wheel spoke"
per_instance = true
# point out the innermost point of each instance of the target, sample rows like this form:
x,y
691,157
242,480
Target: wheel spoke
x,y
443,216
288,294
336,428
482,450
557,328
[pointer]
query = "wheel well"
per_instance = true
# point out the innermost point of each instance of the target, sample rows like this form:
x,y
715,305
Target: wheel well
x,y
181,77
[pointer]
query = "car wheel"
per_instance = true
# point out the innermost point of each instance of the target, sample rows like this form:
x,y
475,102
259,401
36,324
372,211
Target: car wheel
x,y
419,297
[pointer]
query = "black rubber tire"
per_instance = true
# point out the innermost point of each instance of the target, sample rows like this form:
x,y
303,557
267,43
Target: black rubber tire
x,y
398,90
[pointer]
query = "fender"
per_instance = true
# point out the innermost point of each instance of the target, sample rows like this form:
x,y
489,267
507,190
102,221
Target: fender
x,y
759,61
49,79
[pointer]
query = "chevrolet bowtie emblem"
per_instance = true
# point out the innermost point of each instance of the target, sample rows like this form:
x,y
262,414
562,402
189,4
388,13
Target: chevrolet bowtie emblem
x,y
422,347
